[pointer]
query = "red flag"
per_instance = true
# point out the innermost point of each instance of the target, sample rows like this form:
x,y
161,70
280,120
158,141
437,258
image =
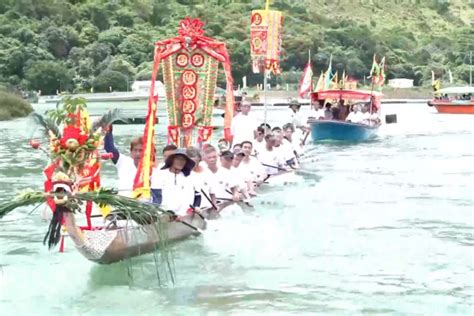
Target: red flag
x,y
306,82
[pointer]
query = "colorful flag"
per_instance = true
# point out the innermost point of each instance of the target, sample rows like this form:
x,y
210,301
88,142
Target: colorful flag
x,y
265,39
436,85
190,67
306,82
320,84
381,74
141,185
335,82
328,76
374,71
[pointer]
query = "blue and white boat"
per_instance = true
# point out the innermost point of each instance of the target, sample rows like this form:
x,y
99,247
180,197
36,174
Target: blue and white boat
x,y
342,131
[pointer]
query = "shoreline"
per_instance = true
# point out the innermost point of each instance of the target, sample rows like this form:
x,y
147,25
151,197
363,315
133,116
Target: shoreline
x,y
391,95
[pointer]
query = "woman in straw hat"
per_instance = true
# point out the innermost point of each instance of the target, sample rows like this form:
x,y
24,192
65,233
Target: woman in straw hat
x,y
171,188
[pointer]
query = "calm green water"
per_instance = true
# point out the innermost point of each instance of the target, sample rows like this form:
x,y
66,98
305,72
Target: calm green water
x,y
384,228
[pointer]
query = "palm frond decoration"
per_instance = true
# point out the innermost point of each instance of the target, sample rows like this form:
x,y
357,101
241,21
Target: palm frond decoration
x,y
47,123
24,199
128,208
107,119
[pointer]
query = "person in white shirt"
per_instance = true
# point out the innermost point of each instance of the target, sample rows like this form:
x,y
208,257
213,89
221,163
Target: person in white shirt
x,y
222,182
258,144
269,157
284,150
126,165
365,115
227,182
296,116
298,119
170,186
374,119
241,177
319,107
243,125
201,179
294,145
355,116
252,167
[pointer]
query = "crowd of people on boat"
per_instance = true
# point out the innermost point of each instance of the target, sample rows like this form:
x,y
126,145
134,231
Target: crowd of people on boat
x,y
189,179
463,97
361,113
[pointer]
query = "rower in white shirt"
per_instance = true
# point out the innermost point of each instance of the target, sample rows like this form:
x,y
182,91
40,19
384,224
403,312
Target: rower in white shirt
x,y
258,144
283,148
170,186
252,167
227,182
222,182
241,177
355,116
269,158
126,165
243,125
295,144
201,179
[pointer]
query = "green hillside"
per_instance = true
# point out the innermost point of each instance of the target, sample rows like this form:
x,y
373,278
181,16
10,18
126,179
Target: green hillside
x,y
51,45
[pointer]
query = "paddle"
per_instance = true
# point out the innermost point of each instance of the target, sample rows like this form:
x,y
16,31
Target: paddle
x,y
246,203
270,166
305,138
231,200
175,218
209,199
196,212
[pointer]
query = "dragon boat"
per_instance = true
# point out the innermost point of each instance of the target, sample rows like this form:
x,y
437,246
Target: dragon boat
x,y
130,227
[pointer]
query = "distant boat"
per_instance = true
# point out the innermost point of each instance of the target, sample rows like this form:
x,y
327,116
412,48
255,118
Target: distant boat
x,y
340,130
103,97
140,92
454,100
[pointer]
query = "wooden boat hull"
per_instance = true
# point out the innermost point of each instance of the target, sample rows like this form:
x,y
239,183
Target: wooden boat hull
x,y
466,107
112,245
322,130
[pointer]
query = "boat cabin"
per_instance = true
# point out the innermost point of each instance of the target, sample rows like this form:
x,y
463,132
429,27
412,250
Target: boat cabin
x,y
455,94
340,101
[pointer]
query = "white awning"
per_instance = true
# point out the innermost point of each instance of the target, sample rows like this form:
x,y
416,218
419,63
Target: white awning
x,y
456,90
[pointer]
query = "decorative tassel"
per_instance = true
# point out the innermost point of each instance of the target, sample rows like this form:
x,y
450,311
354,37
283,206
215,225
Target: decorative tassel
x,y
53,235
